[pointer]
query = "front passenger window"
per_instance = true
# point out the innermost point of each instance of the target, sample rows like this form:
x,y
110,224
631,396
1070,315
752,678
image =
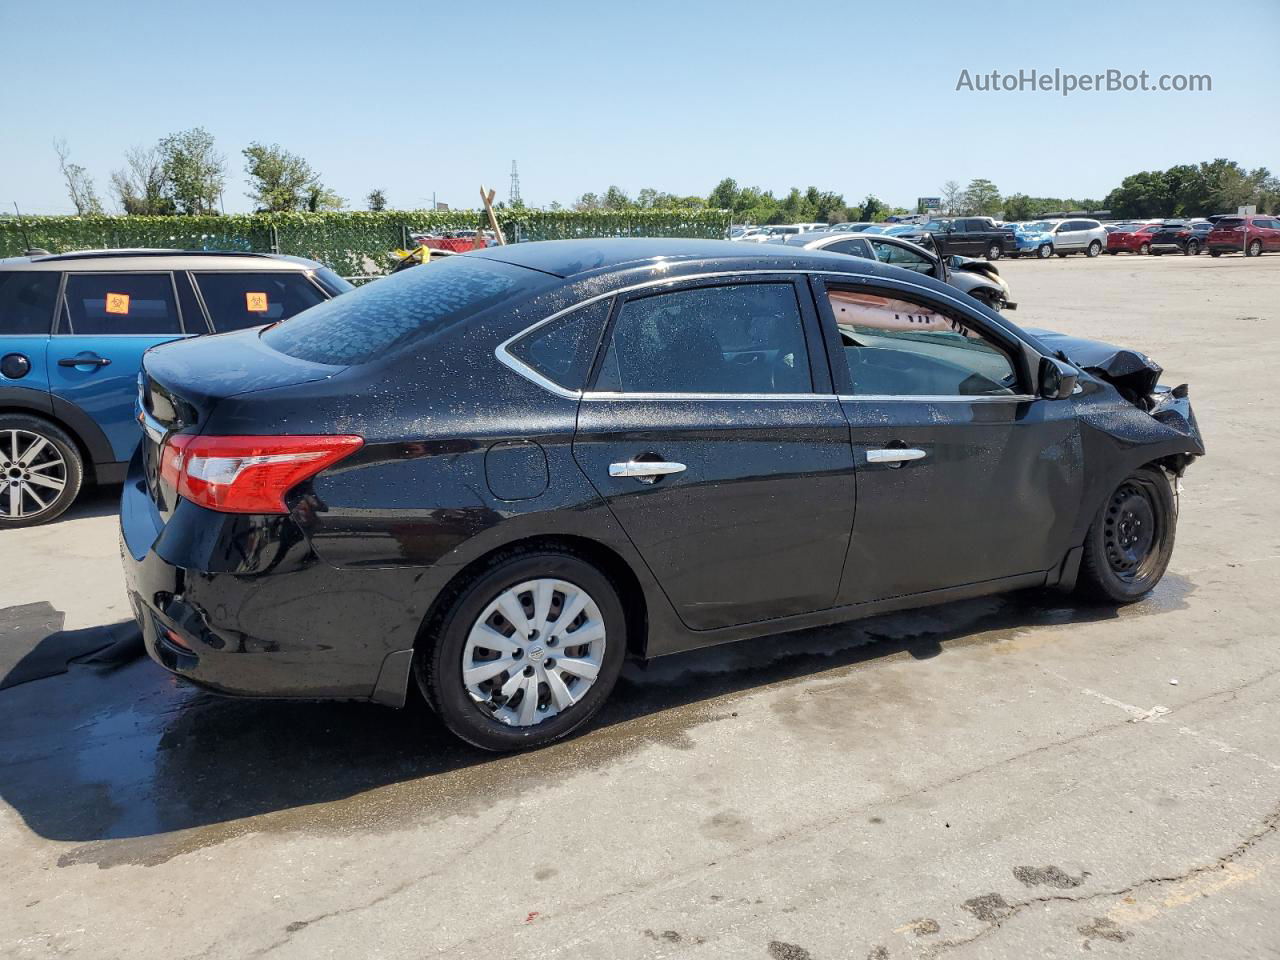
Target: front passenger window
x,y
742,338
905,348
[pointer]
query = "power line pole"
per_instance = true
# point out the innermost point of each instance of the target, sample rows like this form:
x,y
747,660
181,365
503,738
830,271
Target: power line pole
x,y
514,199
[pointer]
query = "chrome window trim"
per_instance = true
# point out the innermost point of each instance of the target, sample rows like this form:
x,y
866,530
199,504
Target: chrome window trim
x,y
503,355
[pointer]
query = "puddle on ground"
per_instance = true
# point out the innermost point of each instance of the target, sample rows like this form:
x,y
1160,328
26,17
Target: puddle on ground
x,y
134,766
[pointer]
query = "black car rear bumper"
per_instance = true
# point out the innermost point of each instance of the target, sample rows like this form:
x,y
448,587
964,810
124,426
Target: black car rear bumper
x,y
291,626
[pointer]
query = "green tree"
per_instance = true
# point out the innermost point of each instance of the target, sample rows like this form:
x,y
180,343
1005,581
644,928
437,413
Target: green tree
x,y
724,195
139,185
588,201
376,200
982,198
79,184
872,208
279,181
194,171
615,198
320,199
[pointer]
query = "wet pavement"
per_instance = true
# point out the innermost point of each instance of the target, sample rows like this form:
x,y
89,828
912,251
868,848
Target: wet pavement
x,y
1003,777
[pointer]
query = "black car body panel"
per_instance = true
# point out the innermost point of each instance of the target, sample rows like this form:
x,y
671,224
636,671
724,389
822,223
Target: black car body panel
x,y
780,520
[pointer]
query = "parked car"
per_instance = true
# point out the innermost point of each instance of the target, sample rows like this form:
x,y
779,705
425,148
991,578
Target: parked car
x,y
1028,238
855,227
73,328
978,278
497,477
968,237
1066,237
1132,238
1252,234
1180,236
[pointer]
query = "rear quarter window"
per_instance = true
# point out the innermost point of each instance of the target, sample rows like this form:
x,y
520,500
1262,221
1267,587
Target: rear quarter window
x,y
562,349
403,309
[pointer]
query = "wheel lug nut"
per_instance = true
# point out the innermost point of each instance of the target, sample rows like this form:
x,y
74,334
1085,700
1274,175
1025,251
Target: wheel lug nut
x,y
528,671
551,662
517,654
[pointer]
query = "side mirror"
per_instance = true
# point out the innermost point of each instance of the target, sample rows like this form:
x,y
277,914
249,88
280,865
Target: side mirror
x,y
1057,378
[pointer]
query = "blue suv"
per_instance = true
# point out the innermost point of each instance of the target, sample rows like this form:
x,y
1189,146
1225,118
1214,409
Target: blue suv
x,y
73,328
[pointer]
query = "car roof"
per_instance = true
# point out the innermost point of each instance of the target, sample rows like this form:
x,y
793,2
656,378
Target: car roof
x,y
574,258
111,261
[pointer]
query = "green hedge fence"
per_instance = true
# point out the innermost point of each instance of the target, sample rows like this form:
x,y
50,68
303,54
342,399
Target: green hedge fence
x,y
352,243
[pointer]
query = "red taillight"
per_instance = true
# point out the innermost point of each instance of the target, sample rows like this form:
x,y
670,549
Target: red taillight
x,y
247,474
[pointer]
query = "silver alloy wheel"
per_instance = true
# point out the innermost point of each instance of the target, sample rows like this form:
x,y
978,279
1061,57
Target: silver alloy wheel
x,y
32,474
534,651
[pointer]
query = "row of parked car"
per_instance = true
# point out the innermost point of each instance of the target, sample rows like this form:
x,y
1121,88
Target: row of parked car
x,y
1251,235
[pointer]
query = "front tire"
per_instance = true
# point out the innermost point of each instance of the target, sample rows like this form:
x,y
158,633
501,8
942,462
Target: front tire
x,y
1095,248
1144,250
1045,251
1254,249
525,653
1130,542
40,471
1215,253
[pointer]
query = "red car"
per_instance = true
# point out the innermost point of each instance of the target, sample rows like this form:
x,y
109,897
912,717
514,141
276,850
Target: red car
x,y
1252,235
1131,238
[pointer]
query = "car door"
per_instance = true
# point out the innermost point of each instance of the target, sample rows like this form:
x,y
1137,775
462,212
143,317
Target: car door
x,y
713,434
963,473
105,323
1270,234
27,299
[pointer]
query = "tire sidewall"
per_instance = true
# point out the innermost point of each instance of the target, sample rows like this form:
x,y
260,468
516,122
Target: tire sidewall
x,y
70,456
1095,248
994,251
438,666
1045,251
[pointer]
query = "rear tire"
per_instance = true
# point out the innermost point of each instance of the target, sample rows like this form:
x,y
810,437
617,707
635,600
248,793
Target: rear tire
x,y
1191,249
994,252
1130,542
1095,248
1215,253
39,463
488,713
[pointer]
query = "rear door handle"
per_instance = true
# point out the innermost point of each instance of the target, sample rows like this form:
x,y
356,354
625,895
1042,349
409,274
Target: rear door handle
x,y
894,455
93,361
646,471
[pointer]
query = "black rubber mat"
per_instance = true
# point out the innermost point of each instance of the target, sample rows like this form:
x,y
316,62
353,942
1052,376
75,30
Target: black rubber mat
x,y
33,644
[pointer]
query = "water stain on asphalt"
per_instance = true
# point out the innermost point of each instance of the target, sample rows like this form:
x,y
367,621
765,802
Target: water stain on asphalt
x,y
990,907
1049,876
136,767
779,950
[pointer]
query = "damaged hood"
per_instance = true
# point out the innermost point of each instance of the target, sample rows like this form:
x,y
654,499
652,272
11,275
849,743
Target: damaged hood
x,y
1129,371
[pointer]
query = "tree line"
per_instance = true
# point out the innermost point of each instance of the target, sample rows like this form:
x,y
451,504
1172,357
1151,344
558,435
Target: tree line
x,y
184,173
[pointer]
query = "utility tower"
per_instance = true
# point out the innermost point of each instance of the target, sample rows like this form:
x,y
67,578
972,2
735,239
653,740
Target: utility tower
x,y
514,199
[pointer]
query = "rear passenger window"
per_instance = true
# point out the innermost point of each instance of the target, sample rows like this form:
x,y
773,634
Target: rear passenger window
x,y
121,303
26,301
854,248
239,300
563,349
746,338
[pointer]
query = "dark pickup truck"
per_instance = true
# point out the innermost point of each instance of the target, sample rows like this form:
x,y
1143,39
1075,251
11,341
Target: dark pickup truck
x,y
969,237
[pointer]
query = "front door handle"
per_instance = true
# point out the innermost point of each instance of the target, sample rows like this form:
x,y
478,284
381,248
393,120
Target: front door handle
x,y
894,455
89,361
646,471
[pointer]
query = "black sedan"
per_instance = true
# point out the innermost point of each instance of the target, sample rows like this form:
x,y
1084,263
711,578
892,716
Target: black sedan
x,y
497,476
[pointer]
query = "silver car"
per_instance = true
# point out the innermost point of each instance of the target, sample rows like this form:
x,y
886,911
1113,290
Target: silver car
x,y
978,278
1073,235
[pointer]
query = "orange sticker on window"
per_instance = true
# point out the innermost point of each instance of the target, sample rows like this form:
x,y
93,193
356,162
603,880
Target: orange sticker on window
x,y
255,302
118,303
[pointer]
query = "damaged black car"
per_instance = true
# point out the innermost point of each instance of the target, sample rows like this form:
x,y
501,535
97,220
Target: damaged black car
x,y
492,479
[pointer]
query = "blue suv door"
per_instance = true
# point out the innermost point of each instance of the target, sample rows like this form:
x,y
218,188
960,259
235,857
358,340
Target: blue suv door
x,y
105,323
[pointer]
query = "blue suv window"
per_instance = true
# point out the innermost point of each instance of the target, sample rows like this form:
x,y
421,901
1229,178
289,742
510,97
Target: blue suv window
x,y
121,303
240,300
26,301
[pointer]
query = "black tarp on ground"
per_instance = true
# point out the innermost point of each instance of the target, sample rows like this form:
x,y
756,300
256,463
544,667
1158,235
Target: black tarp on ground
x,y
33,644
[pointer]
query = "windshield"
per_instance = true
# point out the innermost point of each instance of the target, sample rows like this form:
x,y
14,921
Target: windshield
x,y
1041,226
934,226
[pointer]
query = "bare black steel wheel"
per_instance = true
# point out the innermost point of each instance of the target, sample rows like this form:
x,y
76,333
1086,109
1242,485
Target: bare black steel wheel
x,y
40,471
526,653
1128,547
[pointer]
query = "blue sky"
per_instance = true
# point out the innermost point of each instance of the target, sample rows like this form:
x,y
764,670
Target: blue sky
x,y
857,98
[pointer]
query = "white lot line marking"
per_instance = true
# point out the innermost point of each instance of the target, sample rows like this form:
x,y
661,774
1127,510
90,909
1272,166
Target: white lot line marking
x,y
1158,713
